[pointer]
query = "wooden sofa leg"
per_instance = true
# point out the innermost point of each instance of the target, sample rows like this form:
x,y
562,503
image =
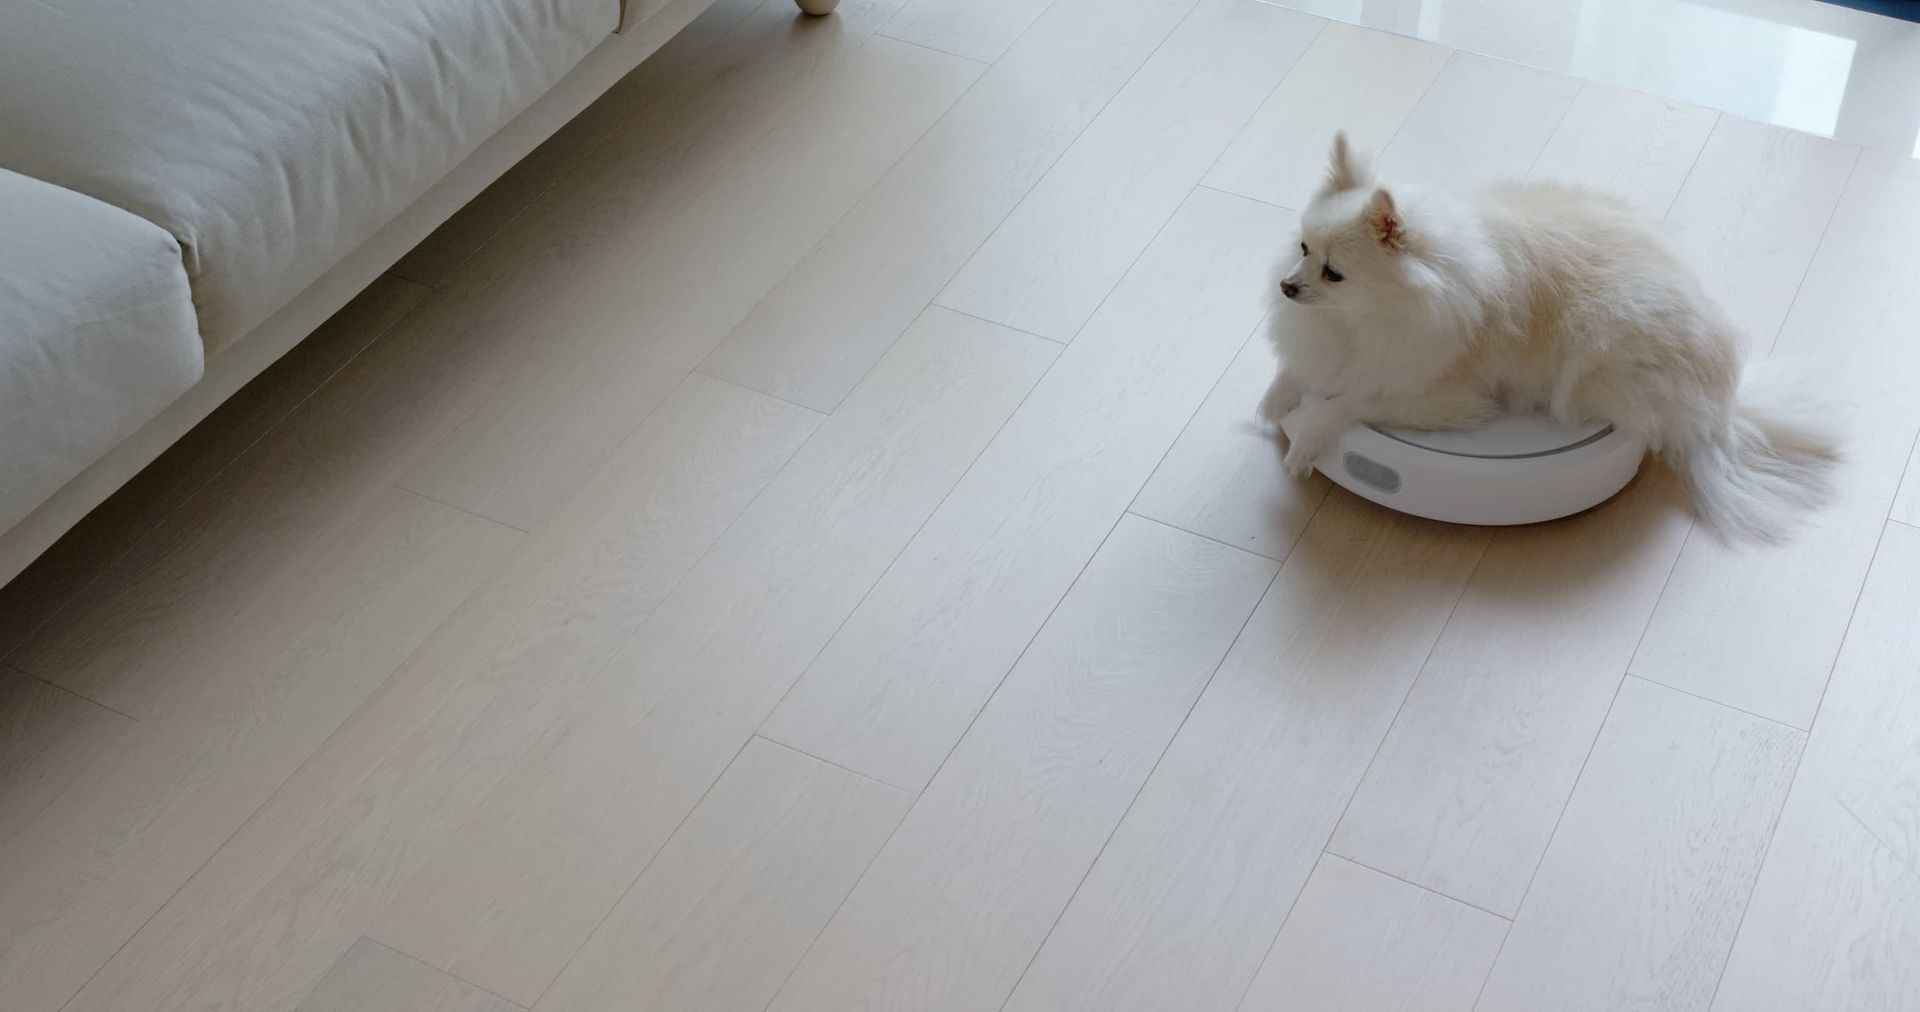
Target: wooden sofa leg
x,y
817,7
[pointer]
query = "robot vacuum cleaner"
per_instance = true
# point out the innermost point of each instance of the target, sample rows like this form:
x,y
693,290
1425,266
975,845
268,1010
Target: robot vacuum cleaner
x,y
1516,469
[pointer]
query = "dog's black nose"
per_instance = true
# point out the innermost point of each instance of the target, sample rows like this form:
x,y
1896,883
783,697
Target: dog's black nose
x,y
1289,289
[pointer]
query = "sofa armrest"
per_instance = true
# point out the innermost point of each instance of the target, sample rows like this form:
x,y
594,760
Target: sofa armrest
x,y
632,12
97,334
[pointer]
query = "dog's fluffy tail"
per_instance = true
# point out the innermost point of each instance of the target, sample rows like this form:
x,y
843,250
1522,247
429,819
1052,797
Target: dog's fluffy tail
x,y
1769,462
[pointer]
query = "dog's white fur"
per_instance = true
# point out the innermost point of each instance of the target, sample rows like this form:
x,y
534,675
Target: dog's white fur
x,y
1423,311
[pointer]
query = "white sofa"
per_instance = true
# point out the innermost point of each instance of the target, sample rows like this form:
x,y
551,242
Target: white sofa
x,y
189,187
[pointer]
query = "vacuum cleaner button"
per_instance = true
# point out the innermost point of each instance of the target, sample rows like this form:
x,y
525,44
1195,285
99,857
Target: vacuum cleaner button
x,y
1372,473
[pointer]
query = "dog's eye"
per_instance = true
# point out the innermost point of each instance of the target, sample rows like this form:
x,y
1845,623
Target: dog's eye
x,y
1327,272
1303,249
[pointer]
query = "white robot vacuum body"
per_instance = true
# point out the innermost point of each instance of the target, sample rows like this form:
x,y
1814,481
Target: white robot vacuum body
x,y
1517,469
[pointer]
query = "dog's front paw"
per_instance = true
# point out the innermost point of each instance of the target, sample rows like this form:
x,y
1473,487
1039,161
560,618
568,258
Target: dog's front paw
x,y
1300,459
1283,396
1312,429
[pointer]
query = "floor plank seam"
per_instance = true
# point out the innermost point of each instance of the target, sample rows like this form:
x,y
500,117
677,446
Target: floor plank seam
x,y
1853,169
399,271
1906,474
399,486
1252,335
1245,196
1144,781
269,796
1712,129
1443,894
1452,55
882,30
829,231
89,700
1412,683
1274,942
1907,865
1268,97
1187,425
1117,281
1212,540
882,34
149,529
642,871
1334,827
1028,645
565,174
935,302
915,536
447,973
1559,817
1724,705
1839,645
1042,175
756,392
174,893
615,648
1176,528
1534,162
870,778
825,922
1773,831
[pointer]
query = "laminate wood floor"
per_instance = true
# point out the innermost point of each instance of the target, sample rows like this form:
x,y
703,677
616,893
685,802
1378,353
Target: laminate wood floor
x,y
800,542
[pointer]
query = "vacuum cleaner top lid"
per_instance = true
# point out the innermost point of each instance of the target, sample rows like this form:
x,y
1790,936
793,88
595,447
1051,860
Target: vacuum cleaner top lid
x,y
1508,437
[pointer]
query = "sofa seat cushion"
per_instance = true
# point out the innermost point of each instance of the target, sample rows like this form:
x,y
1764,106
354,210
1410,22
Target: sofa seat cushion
x,y
271,137
97,334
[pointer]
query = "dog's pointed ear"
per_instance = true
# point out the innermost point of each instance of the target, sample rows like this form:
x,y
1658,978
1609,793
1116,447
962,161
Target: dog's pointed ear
x,y
1385,220
1345,171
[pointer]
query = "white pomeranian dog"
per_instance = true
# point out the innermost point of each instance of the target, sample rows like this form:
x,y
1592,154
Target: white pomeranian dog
x,y
1429,312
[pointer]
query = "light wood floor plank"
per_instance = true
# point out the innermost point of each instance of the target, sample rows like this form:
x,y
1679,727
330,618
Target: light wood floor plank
x,y
1353,79
1179,910
1638,898
1471,780
1906,504
977,29
643,319
1466,790
1481,121
1757,627
725,911
964,892
659,77
1751,215
265,514
896,687
316,472
570,252
141,510
1223,478
1359,941
817,332
373,977
1835,919
1051,263
1636,146
540,761
261,923
62,574
48,736
275,681
522,885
